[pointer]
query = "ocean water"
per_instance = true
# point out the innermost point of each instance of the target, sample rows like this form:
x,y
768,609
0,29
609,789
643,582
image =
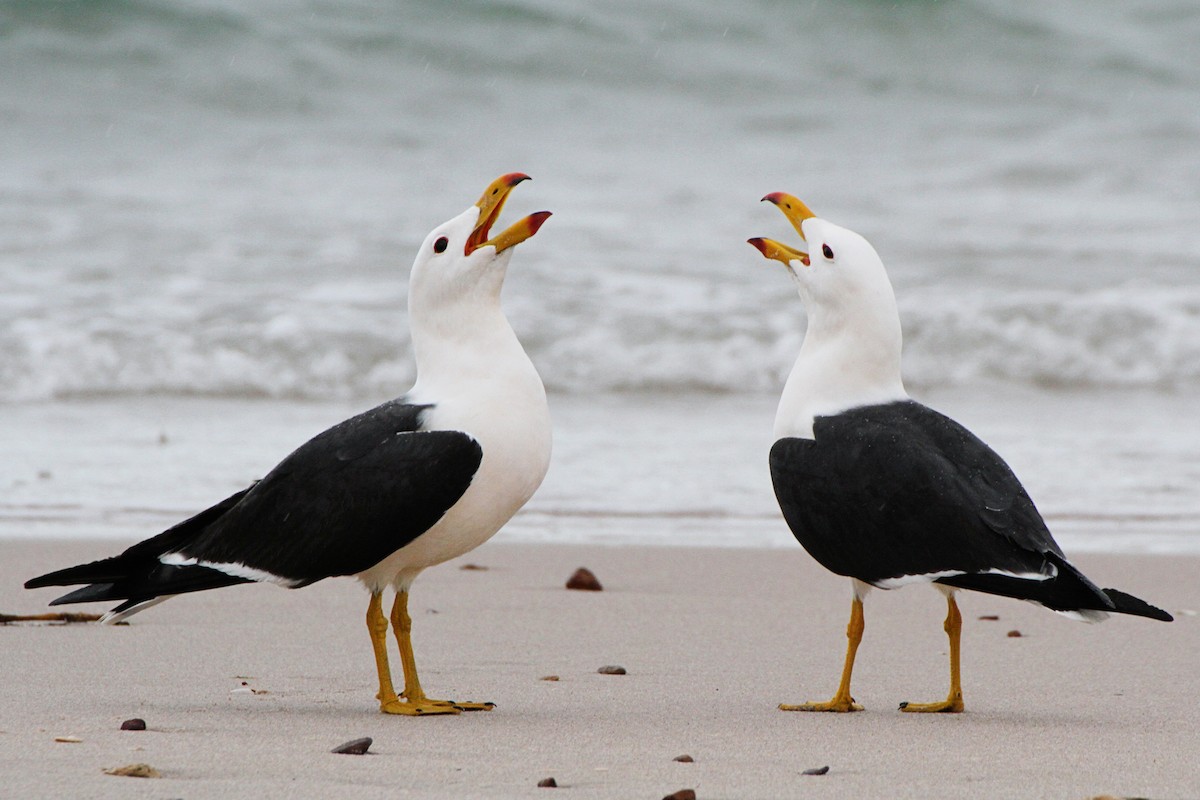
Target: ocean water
x,y
216,203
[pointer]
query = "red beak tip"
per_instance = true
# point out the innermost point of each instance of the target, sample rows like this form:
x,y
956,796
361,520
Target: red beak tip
x,y
773,197
513,178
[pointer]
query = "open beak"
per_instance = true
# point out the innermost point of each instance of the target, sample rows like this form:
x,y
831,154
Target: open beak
x,y
779,251
490,205
796,212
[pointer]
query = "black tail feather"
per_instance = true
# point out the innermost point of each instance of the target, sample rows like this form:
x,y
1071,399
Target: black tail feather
x,y
93,593
104,570
141,556
1069,590
161,579
137,575
1128,604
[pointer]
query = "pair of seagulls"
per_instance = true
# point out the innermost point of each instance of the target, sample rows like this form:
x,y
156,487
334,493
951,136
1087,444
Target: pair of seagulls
x,y
875,486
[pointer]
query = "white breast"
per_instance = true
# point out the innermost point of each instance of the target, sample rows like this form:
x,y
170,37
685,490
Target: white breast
x,y
503,407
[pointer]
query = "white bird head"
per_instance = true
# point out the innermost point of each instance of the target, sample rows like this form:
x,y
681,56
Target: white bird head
x,y
458,263
840,271
851,351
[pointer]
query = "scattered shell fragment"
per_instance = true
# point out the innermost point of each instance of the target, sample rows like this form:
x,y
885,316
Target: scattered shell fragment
x,y
134,771
354,747
816,770
611,669
135,724
1014,634
682,794
547,783
68,739
989,617
549,678
585,580
684,759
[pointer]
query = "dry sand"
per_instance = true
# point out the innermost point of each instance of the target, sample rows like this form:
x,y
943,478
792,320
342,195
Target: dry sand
x,y
712,641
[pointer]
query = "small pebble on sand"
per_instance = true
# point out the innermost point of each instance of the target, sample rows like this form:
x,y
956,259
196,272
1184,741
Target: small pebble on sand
x,y
547,783
134,771
354,747
1014,634
816,770
584,580
135,724
611,669
684,759
682,794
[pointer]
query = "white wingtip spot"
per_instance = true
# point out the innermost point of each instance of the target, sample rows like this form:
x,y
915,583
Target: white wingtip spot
x,y
233,569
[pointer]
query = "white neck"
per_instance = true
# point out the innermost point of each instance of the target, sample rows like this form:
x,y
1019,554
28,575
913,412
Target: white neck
x,y
849,358
467,343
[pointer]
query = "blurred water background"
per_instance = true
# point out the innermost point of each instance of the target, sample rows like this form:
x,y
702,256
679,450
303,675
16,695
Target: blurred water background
x,y
208,209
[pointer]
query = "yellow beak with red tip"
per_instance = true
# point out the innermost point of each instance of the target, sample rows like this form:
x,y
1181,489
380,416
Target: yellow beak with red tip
x,y
796,212
779,251
490,204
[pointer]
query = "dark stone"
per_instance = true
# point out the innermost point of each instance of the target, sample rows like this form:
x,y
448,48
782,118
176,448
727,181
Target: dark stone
x,y
684,759
1014,634
547,783
584,580
611,669
134,724
816,770
682,794
354,747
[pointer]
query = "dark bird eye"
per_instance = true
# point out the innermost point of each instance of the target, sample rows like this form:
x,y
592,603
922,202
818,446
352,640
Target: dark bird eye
x,y
441,244
827,251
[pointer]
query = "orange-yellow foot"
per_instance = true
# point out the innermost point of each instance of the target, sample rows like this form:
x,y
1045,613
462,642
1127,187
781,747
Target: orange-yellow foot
x,y
951,705
422,708
838,704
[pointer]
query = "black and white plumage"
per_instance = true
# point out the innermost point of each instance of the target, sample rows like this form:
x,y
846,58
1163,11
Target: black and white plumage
x,y
404,486
884,490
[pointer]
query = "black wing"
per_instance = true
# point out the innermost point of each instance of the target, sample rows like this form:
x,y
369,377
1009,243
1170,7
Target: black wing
x,y
339,504
898,489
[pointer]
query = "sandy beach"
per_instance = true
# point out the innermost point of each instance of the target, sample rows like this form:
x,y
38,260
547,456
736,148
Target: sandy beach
x,y
208,216
712,640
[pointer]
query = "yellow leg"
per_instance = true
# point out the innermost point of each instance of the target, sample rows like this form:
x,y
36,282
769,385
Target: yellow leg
x,y
389,703
402,625
842,701
953,704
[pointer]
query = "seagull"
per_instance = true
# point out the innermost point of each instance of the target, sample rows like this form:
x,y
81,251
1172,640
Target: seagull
x,y
889,492
409,484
